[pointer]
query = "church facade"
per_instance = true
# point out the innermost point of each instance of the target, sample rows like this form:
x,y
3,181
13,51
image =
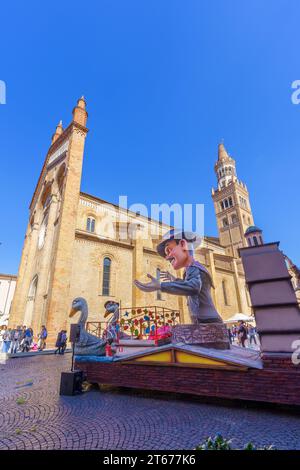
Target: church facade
x,y
75,246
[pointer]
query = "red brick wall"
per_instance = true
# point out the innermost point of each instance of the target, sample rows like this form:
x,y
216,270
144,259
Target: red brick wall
x,y
278,382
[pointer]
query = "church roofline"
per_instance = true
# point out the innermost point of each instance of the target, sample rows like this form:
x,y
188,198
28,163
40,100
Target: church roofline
x,y
141,216
8,276
214,240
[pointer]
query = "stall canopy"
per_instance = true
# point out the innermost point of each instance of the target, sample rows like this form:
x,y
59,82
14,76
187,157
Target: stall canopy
x,y
238,317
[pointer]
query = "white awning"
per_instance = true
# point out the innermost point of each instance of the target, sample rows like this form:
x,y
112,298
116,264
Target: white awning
x,y
240,317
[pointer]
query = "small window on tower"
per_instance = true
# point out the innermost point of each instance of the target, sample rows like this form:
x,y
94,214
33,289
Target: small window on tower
x,y
230,202
225,222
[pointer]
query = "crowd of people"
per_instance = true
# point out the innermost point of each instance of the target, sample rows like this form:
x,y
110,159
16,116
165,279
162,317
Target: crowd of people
x,y
243,334
20,339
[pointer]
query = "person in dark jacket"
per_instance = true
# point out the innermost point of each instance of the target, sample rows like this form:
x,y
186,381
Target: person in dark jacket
x,y
242,333
61,342
178,247
58,343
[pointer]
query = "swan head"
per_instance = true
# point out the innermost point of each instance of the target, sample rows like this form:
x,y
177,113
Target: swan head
x,y
110,306
78,305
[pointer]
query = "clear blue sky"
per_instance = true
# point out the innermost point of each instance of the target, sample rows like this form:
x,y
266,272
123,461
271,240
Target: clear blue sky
x,y
165,81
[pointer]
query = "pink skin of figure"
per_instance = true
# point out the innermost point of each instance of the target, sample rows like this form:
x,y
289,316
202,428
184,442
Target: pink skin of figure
x,y
178,255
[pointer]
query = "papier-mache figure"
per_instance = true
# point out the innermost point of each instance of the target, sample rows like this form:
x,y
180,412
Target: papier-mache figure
x,y
178,248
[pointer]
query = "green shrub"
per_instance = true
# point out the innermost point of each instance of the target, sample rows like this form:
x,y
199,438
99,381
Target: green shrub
x,y
219,443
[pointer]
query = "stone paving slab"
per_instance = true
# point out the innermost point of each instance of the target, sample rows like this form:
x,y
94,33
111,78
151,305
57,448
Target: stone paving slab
x,y
34,416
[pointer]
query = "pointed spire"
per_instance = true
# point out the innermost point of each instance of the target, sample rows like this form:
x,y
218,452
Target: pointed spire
x,y
81,103
79,112
58,132
222,153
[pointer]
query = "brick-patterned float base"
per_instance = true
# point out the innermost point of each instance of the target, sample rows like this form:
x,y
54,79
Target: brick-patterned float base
x,y
278,382
209,335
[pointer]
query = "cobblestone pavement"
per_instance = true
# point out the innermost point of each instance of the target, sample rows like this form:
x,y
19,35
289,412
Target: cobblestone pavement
x,y
34,416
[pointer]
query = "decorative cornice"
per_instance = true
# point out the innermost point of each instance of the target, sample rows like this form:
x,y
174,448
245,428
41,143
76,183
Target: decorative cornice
x,y
81,234
8,277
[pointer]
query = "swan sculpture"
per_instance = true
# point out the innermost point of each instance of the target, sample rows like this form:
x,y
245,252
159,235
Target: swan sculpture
x,y
111,331
88,344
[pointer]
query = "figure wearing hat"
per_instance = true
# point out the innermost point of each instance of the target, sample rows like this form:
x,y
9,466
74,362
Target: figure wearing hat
x,y
178,248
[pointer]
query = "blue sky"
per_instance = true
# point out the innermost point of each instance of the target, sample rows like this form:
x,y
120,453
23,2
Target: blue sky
x,y
164,81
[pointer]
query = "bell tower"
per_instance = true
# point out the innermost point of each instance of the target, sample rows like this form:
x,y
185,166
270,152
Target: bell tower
x,y
232,204
41,296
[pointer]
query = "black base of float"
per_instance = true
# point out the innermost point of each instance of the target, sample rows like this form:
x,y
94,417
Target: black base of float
x,y
71,383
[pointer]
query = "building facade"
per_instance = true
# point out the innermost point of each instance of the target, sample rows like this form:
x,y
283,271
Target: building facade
x,y
75,244
7,290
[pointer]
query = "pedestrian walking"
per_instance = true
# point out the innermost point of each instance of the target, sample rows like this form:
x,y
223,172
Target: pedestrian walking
x,y
27,340
15,339
64,340
242,334
58,343
230,335
42,338
252,335
3,339
61,342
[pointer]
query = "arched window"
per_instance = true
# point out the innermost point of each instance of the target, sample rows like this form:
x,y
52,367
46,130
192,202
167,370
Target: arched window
x,y
226,203
46,195
43,231
90,224
230,202
32,288
158,292
224,292
222,205
255,241
28,315
61,176
234,219
106,276
225,223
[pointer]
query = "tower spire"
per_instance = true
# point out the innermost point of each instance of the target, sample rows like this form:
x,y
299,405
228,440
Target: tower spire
x,y
222,152
232,205
58,132
79,112
225,166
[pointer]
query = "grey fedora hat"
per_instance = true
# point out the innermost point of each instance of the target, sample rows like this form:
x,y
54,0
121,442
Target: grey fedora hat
x,y
192,238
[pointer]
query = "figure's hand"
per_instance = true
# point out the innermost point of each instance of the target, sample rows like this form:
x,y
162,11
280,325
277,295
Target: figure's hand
x,y
150,286
166,276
